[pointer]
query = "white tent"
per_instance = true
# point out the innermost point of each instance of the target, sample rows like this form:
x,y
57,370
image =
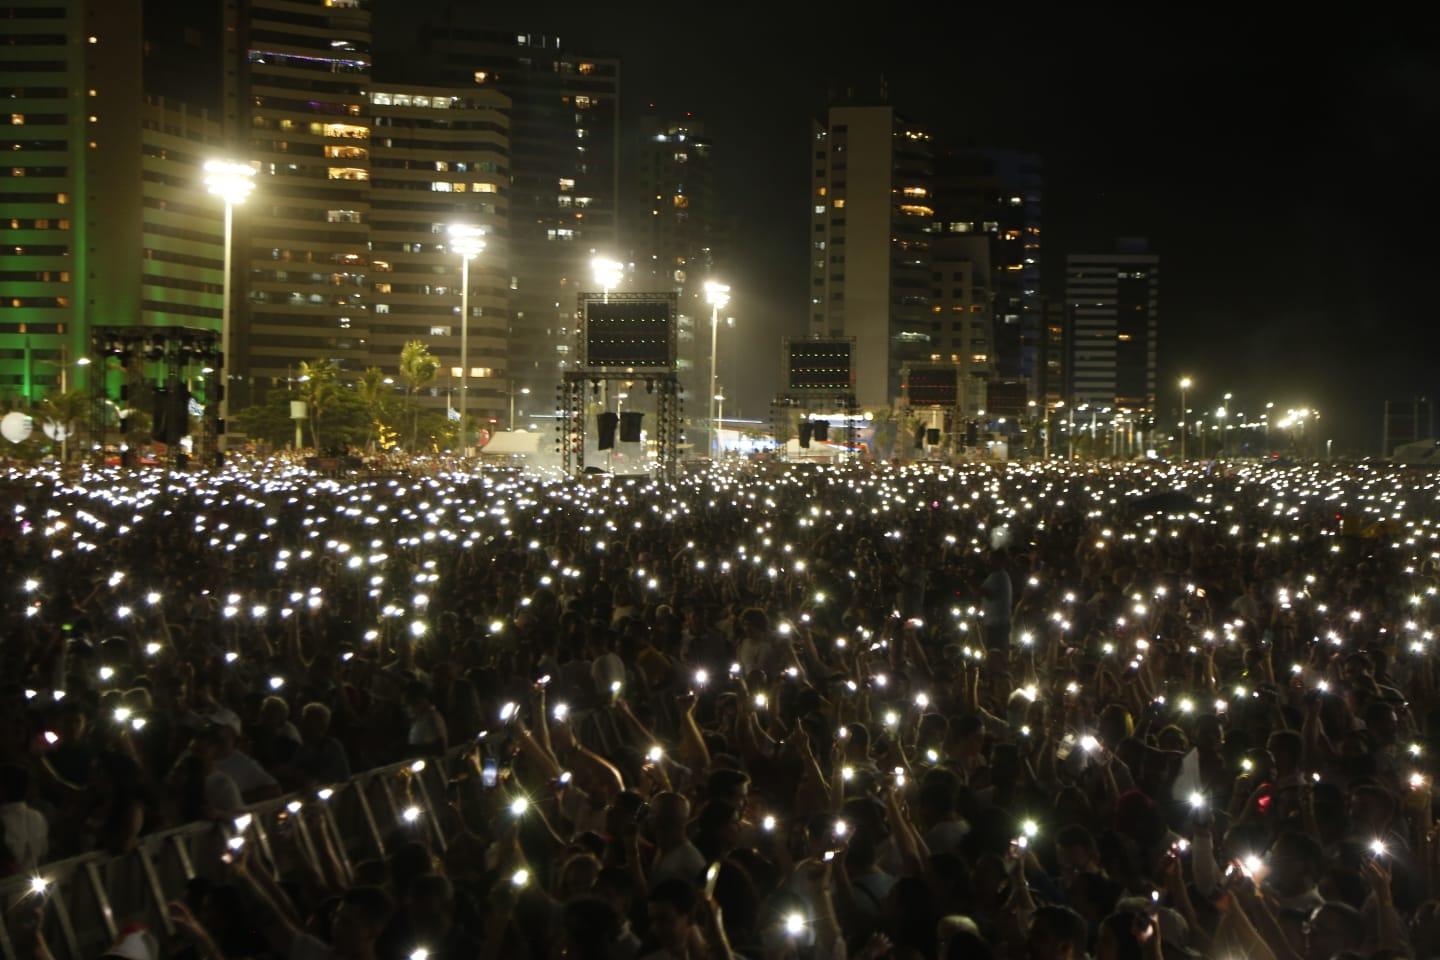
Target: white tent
x,y
513,443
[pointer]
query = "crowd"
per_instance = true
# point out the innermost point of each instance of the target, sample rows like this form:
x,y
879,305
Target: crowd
x,y
1041,711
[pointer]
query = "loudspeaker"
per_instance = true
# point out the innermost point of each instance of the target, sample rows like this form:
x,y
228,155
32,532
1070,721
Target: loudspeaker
x,y
932,437
806,429
158,414
171,413
822,430
605,425
630,426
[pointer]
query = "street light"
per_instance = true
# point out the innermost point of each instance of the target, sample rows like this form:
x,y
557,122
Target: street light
x,y
720,399
524,391
232,183
608,273
467,241
717,294
1185,384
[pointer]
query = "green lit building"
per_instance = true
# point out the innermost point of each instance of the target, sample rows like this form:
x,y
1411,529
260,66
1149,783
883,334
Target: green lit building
x,y
102,219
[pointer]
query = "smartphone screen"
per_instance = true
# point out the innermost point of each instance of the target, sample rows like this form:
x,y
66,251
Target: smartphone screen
x,y
489,773
712,874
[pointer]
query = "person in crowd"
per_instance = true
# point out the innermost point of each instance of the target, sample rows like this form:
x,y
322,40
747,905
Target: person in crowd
x,y
1019,711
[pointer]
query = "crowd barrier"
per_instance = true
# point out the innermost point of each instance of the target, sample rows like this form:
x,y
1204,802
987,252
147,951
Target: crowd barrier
x,y
90,898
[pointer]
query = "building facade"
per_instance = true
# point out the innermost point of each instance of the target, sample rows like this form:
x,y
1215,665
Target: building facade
x,y
961,327
302,242
1114,304
439,156
870,276
674,230
564,168
102,217
998,194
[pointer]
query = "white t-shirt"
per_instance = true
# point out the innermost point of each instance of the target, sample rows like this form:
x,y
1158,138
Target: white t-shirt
x,y
221,793
247,774
306,947
429,727
27,835
685,862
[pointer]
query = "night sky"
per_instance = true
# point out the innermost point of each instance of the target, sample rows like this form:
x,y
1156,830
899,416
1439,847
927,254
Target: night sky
x,y
1285,170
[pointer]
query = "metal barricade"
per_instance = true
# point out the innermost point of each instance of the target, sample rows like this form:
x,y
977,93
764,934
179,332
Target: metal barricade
x,y
88,899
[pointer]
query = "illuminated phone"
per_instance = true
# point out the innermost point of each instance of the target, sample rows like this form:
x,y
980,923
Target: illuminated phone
x,y
489,773
712,874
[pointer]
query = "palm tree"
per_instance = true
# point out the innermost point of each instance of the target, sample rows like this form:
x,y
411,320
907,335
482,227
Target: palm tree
x,y
375,394
67,410
418,368
317,388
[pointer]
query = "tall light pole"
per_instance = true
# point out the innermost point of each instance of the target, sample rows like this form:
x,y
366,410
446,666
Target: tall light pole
x,y
231,182
720,419
1185,384
608,273
525,391
467,241
1058,405
717,294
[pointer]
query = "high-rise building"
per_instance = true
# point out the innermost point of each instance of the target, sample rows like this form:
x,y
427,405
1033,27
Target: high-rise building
x,y
302,243
997,194
439,156
870,275
1114,303
673,230
103,220
960,321
1054,350
564,168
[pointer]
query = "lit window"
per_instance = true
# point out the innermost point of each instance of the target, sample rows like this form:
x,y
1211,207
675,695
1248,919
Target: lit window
x,y
916,210
567,184
382,308
917,192
17,119
349,173
439,331
839,203
483,187
440,186
481,76
586,68
819,208
380,99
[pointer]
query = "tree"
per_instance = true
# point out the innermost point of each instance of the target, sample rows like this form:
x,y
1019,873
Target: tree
x,y
268,422
68,410
318,389
418,368
885,430
347,421
375,394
